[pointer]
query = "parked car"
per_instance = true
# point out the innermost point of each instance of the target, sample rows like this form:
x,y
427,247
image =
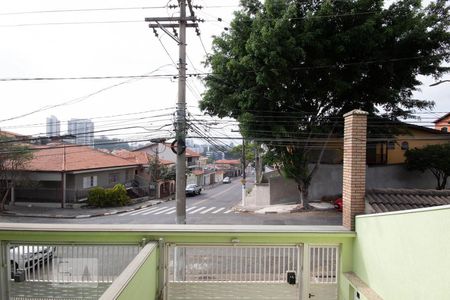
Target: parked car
x,y
226,180
27,257
193,189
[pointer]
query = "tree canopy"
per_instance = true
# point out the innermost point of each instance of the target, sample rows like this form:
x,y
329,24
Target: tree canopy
x,y
288,70
434,158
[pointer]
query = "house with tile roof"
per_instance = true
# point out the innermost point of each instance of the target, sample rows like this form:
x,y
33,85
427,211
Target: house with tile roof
x,y
443,123
156,187
64,173
164,151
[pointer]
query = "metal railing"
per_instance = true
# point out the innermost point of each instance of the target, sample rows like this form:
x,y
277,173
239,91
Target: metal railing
x,y
324,264
257,264
62,263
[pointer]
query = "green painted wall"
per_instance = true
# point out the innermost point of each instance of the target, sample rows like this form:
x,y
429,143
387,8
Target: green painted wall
x,y
144,284
405,255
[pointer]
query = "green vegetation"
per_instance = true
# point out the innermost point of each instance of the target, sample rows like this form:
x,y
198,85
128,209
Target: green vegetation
x,y
289,70
434,158
101,197
13,158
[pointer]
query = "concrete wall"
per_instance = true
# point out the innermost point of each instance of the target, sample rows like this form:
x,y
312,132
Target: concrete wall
x,y
404,255
328,181
285,192
259,195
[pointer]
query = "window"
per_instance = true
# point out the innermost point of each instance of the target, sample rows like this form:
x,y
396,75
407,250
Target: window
x,y
113,178
405,145
89,181
444,129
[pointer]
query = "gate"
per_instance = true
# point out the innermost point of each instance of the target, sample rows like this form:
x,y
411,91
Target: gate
x,y
233,272
323,272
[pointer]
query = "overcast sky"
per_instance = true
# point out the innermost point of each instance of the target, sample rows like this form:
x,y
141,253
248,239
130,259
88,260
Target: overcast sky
x,y
109,49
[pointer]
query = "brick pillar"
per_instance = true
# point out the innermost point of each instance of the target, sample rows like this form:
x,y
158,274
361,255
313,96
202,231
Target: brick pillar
x,y
354,175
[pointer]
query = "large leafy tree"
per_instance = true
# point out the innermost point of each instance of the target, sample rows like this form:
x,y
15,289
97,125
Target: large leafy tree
x,y
434,158
289,69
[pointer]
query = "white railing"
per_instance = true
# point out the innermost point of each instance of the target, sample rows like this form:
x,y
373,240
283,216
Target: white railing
x,y
62,263
324,264
258,264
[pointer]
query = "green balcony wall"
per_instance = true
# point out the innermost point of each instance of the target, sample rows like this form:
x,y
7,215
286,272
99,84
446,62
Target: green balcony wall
x,y
405,255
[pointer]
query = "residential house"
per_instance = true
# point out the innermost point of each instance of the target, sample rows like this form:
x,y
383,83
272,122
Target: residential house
x,y
443,123
394,255
230,167
152,186
65,173
165,151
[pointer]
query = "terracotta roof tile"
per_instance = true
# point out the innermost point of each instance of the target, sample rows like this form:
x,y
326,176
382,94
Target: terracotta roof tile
x,y
139,157
56,158
228,162
386,200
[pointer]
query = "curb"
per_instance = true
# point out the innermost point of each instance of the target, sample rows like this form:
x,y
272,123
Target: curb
x,y
108,213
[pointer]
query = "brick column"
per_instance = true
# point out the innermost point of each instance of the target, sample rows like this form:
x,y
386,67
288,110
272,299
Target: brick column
x,y
354,175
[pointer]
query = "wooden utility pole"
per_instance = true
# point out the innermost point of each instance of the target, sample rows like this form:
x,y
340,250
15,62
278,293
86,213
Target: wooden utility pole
x,y
182,22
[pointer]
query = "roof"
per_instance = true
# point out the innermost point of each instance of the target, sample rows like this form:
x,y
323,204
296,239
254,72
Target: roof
x,y
189,152
58,158
442,118
139,157
228,162
387,200
198,172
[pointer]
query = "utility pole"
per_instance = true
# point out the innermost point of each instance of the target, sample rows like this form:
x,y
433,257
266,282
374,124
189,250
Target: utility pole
x,y
182,22
243,172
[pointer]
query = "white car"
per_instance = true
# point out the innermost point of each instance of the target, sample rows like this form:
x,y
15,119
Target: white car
x,y
226,180
27,257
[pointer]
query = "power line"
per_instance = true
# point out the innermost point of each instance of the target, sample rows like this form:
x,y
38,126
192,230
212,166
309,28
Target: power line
x,y
80,10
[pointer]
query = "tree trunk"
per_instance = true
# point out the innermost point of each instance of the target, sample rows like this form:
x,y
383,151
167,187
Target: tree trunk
x,y
5,196
304,197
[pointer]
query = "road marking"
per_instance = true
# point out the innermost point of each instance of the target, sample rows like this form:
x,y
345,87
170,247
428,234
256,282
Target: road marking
x,y
190,208
154,210
163,211
174,209
209,209
215,212
228,211
139,211
198,209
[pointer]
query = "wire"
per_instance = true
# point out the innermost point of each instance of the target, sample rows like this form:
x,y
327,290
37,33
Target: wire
x,y
80,10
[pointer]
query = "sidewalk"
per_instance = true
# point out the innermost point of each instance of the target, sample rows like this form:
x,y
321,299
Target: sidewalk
x,y
51,210
283,208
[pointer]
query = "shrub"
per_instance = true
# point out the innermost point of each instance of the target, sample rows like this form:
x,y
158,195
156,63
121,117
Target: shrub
x,y
100,197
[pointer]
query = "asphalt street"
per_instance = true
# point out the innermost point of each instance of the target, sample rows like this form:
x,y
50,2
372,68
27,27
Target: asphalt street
x,y
212,206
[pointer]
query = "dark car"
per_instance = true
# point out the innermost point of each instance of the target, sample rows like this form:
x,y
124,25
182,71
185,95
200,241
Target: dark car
x,y
193,189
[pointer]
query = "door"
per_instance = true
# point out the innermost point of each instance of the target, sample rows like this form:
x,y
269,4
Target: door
x,y
323,273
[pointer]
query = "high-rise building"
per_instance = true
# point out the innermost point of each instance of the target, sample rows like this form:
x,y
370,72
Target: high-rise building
x,y
53,126
83,130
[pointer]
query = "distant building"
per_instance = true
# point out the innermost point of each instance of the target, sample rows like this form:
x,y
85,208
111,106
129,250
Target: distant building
x,y
53,126
443,123
83,130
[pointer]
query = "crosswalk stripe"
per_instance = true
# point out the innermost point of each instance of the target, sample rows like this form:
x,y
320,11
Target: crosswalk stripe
x,y
206,210
139,211
163,211
216,211
174,209
198,209
190,208
153,211
228,211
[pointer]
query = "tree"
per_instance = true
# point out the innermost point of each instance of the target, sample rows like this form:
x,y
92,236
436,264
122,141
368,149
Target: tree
x,y
13,158
435,158
288,70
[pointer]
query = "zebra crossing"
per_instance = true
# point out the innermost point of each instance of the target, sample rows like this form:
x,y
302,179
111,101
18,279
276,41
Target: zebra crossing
x,y
166,210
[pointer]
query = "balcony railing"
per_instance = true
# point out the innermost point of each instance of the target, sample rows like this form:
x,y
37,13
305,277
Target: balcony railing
x,y
171,261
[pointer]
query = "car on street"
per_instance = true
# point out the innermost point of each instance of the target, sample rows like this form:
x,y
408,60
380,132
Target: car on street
x,y
226,180
193,189
28,257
